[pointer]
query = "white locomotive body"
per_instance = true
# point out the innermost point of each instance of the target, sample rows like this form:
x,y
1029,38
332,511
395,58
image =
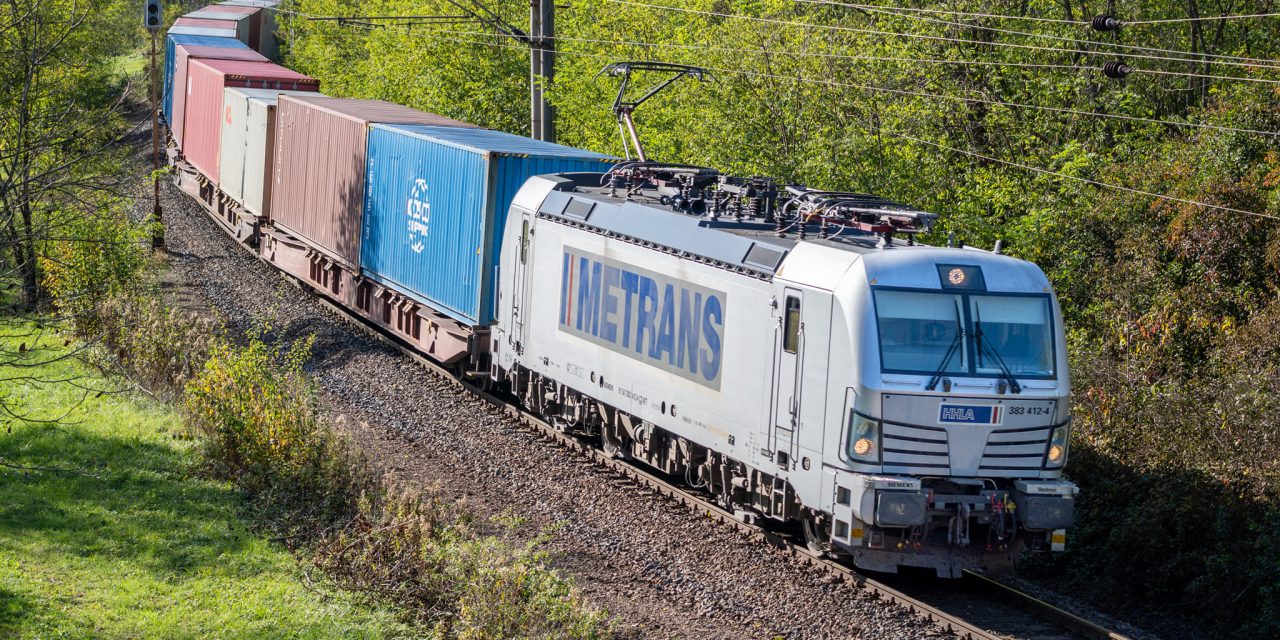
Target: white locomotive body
x,y
906,405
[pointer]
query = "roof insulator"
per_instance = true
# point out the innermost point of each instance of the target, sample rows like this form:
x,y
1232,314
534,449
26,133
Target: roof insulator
x,y
1105,23
1116,69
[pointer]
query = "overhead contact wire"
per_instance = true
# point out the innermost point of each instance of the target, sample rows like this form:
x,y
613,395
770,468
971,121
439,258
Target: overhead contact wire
x,y
1189,56
923,36
974,154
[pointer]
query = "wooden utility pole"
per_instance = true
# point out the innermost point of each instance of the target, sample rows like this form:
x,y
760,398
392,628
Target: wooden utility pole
x,y
542,59
157,239
152,20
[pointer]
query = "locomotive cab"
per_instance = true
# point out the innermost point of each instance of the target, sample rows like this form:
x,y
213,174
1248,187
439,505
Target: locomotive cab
x,y
947,451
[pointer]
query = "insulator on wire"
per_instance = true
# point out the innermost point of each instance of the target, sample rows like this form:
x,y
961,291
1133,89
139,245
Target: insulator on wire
x,y
1116,69
1105,23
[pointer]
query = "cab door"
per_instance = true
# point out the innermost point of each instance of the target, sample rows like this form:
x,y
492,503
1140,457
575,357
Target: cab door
x,y
523,265
788,388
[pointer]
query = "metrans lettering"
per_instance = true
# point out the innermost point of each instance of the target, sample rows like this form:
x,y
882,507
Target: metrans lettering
x,y
674,325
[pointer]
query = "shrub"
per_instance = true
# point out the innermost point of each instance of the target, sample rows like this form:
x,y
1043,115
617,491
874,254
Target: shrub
x,y
257,415
99,258
411,550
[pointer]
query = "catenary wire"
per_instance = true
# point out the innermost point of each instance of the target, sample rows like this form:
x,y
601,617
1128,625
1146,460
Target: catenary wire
x,y
1082,23
1129,23
1189,56
899,134
968,14
945,61
936,38
925,94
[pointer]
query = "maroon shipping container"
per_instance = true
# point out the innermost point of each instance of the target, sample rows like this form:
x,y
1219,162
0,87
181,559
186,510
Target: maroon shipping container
x,y
255,18
203,119
181,88
320,162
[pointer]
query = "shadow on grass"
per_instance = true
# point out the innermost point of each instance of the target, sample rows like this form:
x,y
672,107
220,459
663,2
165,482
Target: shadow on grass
x,y
128,499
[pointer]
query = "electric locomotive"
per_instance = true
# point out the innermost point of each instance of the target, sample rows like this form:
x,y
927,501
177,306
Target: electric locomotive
x,y
788,352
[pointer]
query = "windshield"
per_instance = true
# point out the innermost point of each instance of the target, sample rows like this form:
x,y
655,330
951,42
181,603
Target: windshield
x,y
919,328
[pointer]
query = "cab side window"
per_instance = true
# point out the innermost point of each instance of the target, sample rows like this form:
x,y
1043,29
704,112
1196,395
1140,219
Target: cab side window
x,y
791,325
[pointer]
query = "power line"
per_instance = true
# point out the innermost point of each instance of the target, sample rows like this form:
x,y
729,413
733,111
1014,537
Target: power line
x,y
964,14
1082,23
925,94
838,56
921,36
921,94
905,136
1195,56
1043,171
1201,19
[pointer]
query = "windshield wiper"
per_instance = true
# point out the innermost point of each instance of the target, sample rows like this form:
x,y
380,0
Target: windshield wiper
x,y
951,351
995,355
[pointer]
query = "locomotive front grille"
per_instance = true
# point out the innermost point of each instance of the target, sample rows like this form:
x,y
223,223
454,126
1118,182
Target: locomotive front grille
x,y
915,448
1016,449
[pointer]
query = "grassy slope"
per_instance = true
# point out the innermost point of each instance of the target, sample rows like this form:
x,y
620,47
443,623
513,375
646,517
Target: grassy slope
x,y
133,545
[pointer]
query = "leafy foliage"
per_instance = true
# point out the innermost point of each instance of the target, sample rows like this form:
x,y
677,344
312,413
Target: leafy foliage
x,y
1171,306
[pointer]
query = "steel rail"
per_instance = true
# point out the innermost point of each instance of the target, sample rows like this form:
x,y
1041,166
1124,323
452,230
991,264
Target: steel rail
x,y
534,424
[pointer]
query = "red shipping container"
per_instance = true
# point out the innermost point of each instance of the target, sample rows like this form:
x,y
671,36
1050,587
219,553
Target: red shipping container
x,y
181,59
320,166
255,19
229,23
203,120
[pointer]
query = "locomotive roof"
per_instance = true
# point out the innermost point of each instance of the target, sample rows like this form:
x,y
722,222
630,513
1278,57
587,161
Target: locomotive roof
x,y
749,246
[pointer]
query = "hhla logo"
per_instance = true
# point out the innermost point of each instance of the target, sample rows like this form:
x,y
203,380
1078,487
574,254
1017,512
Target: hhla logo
x,y
418,212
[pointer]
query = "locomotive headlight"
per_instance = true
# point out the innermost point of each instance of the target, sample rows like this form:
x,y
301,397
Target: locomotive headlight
x,y
863,446
864,436
1056,456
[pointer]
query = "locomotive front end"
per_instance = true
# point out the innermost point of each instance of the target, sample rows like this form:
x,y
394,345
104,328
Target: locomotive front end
x,y
957,423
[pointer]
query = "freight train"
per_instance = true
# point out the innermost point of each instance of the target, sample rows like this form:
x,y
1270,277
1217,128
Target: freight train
x,y
794,353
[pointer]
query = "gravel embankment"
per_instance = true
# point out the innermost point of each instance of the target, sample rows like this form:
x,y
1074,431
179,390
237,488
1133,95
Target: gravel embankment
x,y
659,569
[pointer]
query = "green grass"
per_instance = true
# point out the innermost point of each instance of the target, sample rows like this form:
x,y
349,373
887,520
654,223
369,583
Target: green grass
x,y
131,64
132,544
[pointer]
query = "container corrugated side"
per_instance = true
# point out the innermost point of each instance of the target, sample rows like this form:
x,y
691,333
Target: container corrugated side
x,y
218,32
182,66
436,205
246,151
171,41
267,44
255,20
319,175
243,21
204,108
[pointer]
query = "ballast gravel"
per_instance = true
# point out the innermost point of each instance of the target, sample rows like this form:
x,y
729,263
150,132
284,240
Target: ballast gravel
x,y
660,570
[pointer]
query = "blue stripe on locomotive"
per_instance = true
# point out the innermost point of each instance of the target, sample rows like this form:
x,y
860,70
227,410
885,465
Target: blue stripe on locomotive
x,y
170,52
436,201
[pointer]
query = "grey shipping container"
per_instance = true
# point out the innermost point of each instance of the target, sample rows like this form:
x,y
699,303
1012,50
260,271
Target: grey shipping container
x,y
319,174
247,147
435,207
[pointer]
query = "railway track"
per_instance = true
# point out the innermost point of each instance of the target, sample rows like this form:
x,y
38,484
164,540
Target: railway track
x,y
1000,616
991,611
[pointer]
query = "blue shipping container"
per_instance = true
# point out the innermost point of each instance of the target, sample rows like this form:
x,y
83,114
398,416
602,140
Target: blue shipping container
x,y
436,200
170,53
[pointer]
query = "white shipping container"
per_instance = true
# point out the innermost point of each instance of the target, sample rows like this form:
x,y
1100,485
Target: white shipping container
x,y
248,141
